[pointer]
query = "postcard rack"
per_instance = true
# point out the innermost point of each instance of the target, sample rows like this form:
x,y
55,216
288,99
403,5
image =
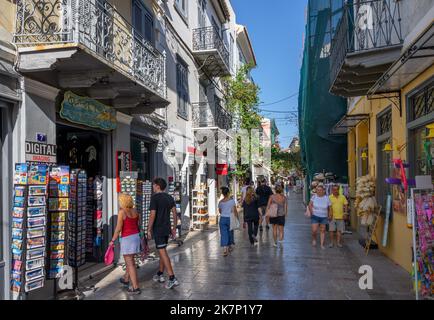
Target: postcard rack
x,y
29,219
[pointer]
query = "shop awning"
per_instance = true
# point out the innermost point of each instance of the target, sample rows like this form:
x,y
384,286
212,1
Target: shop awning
x,y
348,122
417,57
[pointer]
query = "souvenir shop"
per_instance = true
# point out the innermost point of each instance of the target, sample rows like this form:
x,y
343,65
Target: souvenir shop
x,y
60,200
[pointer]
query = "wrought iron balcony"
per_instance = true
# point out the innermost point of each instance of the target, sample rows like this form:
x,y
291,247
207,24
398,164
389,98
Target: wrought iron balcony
x,y
367,40
214,115
210,51
95,27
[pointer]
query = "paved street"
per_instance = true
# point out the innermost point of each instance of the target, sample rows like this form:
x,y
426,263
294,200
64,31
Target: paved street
x,y
298,271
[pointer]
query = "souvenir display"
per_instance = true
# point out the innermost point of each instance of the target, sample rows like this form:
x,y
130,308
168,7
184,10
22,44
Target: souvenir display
x,y
90,212
143,201
129,183
76,219
98,210
423,241
200,207
28,228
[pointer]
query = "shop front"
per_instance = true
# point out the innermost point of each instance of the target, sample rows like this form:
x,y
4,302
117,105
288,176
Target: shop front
x,y
64,185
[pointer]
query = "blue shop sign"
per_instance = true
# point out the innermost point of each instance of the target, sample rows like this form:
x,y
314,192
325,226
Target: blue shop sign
x,y
88,112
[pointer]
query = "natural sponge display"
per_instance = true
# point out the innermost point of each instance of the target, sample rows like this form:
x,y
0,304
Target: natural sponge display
x,y
365,199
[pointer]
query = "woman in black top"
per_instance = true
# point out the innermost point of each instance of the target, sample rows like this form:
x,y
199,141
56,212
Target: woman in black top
x,y
251,214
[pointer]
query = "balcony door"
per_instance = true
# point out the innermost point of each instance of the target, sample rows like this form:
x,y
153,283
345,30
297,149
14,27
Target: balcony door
x,y
143,21
202,14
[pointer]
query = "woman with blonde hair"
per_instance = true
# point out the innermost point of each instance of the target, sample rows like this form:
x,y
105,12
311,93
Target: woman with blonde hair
x,y
278,222
251,214
128,227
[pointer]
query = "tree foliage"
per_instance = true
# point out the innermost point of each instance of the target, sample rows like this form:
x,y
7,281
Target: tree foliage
x,y
284,162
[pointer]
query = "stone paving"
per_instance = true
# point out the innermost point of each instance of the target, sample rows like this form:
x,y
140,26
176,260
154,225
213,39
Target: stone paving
x,y
298,271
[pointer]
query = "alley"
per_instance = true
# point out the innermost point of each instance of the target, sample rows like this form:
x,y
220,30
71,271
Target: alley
x,y
297,271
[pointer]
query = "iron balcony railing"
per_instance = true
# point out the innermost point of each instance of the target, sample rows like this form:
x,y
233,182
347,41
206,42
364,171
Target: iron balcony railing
x,y
208,38
364,26
214,115
99,27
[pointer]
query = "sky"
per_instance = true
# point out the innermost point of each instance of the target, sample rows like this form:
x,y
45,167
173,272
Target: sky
x,y
276,29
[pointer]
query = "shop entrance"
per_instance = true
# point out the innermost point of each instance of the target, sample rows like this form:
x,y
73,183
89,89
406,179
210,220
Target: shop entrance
x,y
83,150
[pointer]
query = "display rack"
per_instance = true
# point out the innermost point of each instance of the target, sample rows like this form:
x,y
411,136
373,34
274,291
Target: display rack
x,y
77,220
200,208
143,201
423,242
58,207
29,221
90,211
98,194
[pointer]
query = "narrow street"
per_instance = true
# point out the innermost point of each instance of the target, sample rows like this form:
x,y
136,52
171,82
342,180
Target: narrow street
x,y
298,271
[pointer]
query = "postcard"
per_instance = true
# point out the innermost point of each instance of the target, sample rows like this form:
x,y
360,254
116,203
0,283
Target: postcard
x,y
35,242
34,274
19,191
17,233
37,190
57,235
33,285
35,232
38,174
17,223
19,202
36,211
17,244
58,216
35,253
18,212
36,222
35,263
35,201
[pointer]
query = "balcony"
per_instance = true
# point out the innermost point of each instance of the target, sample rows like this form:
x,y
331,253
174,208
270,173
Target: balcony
x,y
368,39
88,47
211,116
210,52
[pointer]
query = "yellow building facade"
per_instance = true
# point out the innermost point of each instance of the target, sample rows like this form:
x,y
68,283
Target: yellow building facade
x,y
405,130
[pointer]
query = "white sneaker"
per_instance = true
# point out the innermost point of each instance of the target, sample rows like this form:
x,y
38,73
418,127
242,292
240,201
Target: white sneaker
x,y
275,244
280,244
158,278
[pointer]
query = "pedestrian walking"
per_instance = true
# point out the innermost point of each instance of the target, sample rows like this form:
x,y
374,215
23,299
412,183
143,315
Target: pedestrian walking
x,y
227,208
251,215
159,228
128,227
264,193
244,189
339,208
278,222
320,207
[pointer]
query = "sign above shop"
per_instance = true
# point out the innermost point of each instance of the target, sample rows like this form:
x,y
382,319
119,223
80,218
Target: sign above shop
x,y
40,152
88,112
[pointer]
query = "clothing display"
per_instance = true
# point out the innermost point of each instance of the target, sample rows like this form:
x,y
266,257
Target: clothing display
x,y
423,236
29,228
98,185
90,208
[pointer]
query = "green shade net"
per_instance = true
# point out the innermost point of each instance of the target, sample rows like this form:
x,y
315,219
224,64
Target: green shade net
x,y
319,110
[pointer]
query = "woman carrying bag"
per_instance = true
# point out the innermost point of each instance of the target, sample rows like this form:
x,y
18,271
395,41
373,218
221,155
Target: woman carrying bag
x,y
277,210
128,226
228,211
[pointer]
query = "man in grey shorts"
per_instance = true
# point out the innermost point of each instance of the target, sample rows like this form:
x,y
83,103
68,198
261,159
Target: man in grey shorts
x,y
338,213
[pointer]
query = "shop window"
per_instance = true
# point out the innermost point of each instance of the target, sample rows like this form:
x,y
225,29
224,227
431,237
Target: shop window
x,y
182,89
420,114
140,155
384,165
182,8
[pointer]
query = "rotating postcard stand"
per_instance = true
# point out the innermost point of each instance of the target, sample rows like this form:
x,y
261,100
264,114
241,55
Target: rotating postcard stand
x,y
77,226
29,229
